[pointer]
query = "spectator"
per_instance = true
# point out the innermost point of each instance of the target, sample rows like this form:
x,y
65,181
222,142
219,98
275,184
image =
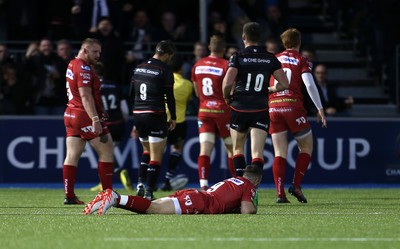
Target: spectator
x,y
272,45
333,105
171,29
152,84
213,117
47,71
233,195
230,51
274,22
245,89
83,120
183,89
113,51
14,93
287,114
140,33
5,60
64,50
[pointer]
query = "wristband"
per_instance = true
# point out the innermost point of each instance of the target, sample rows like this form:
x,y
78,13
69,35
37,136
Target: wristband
x,y
95,119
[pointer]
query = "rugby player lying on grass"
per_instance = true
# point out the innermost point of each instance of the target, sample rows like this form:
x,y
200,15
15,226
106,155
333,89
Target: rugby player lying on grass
x,y
233,195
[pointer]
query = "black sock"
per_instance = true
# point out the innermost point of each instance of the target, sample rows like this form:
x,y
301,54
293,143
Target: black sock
x,y
144,161
240,164
174,160
152,176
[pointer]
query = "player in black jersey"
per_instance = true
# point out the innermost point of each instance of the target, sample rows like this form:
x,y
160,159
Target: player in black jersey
x,y
152,85
245,88
116,107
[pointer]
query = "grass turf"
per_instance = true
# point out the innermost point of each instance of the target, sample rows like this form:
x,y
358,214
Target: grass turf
x,y
333,218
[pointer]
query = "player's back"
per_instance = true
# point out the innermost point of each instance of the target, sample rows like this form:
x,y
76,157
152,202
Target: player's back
x,y
294,65
209,73
150,80
111,96
226,196
255,67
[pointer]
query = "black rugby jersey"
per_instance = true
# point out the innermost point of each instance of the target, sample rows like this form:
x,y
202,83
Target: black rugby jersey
x,y
255,67
111,96
152,82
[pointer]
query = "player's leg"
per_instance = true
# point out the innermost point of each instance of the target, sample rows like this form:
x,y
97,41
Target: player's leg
x,y
280,143
157,146
176,138
207,140
104,148
305,143
75,147
238,143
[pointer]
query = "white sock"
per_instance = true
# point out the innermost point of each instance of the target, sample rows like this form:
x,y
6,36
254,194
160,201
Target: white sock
x,y
123,200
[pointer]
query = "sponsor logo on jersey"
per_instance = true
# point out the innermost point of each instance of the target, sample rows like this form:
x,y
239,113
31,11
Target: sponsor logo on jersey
x,y
256,60
146,71
69,74
209,70
86,81
235,181
85,67
288,60
85,76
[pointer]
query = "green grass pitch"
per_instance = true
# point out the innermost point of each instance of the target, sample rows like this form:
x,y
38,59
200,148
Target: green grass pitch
x,y
333,218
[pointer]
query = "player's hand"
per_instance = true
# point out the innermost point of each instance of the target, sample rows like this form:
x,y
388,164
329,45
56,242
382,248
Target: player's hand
x,y
98,129
229,100
172,125
134,133
321,117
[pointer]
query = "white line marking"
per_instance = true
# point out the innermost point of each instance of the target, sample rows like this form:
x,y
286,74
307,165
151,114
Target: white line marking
x,y
122,239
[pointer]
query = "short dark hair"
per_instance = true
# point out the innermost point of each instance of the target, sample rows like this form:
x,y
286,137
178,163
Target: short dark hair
x,y
165,47
253,171
176,63
252,31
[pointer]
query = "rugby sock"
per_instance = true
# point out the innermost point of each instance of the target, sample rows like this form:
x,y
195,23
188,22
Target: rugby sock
x,y
105,170
69,175
152,175
302,162
279,171
174,159
203,169
231,167
239,163
134,203
144,162
259,162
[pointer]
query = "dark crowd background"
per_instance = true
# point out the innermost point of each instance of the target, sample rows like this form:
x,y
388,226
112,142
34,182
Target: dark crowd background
x,y
39,37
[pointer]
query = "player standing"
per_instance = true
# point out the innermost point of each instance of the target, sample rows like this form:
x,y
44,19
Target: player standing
x,y
213,115
83,119
248,77
153,85
288,114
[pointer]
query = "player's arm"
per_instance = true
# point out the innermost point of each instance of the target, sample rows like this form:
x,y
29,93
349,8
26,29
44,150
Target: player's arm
x,y
90,108
247,207
228,83
314,95
195,89
283,82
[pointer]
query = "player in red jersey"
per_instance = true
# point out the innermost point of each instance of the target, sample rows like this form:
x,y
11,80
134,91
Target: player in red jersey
x,y
83,119
287,114
213,115
233,195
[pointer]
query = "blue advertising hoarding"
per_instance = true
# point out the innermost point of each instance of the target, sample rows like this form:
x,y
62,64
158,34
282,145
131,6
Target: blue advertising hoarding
x,y
350,150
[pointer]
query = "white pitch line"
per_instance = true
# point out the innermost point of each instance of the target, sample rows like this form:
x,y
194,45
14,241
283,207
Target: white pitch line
x,y
122,239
